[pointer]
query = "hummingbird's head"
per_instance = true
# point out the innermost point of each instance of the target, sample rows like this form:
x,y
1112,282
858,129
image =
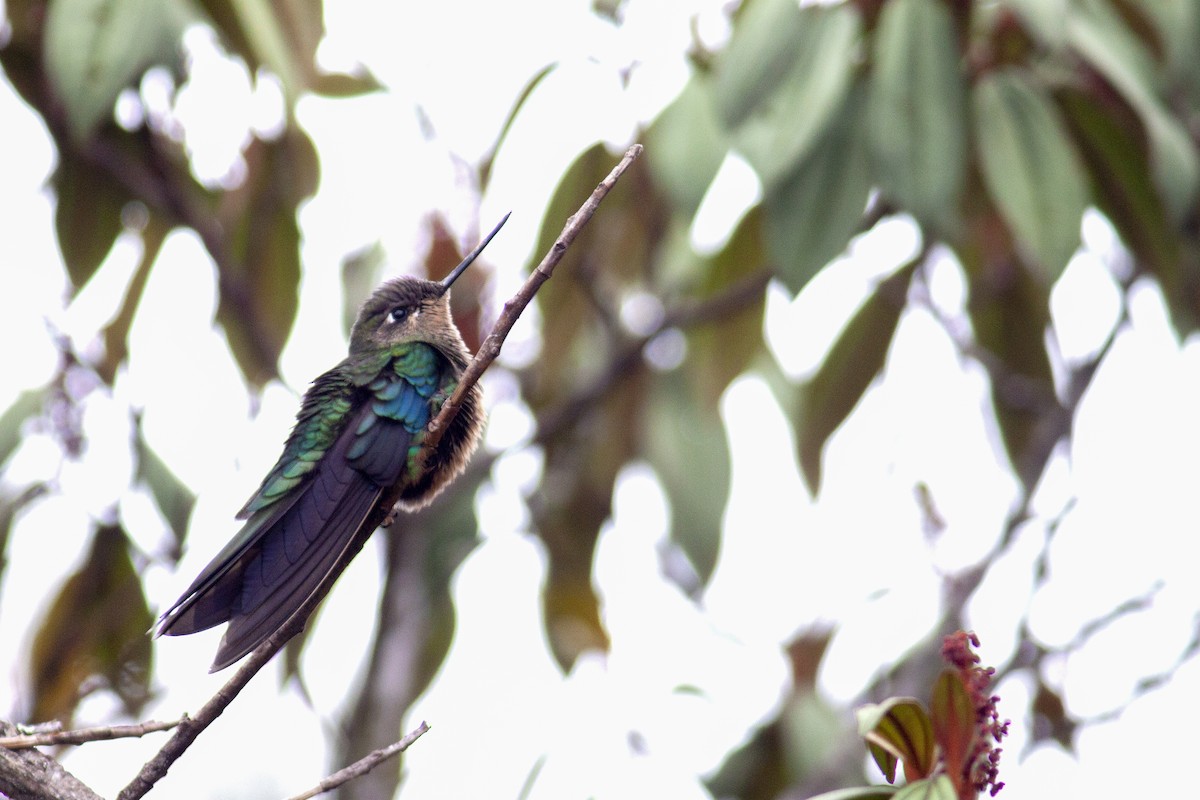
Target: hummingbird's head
x,y
414,310
406,310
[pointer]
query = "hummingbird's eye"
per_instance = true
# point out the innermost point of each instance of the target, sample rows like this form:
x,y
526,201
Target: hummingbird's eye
x,y
399,314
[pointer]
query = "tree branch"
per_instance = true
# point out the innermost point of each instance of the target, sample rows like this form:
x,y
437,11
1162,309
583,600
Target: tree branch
x,y
81,735
363,765
33,775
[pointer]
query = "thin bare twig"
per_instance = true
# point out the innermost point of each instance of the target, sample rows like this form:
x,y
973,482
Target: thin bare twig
x,y
33,775
187,731
81,735
363,765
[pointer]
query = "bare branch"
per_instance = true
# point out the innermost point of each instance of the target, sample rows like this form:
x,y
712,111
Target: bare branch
x,y
81,735
363,765
33,775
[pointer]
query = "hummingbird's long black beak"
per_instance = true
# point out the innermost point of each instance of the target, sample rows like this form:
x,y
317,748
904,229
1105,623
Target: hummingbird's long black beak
x,y
466,262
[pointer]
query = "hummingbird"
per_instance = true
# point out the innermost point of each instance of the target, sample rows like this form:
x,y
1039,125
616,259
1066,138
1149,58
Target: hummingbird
x,y
354,448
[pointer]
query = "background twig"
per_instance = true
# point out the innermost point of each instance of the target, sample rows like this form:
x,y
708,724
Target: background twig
x,y
81,735
363,765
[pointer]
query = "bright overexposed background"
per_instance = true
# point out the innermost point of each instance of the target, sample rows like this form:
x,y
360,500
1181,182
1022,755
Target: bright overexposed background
x,y
500,709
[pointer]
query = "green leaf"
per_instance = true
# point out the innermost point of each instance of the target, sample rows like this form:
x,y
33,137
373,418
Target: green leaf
x,y
685,443
96,48
901,727
687,146
175,500
94,635
917,120
28,403
939,788
87,216
723,347
804,101
1102,38
813,212
116,333
859,793
1122,183
953,716
759,54
855,359
260,272
1030,167
1045,19
1010,312
341,84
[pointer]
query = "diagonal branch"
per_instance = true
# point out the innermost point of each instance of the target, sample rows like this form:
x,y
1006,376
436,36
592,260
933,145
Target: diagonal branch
x,y
363,765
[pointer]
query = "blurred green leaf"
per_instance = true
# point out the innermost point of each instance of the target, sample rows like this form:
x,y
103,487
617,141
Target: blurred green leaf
x,y
96,48
261,271
342,84
812,213
859,793
1010,312
953,716
917,119
116,333
901,727
1122,182
734,281
685,173
855,358
1030,167
1045,19
87,216
685,443
284,42
28,404
94,629
564,307
760,53
939,788
755,771
805,100
174,499
1099,35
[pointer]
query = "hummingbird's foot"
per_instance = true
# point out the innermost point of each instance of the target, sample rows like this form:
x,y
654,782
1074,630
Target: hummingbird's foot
x,y
390,518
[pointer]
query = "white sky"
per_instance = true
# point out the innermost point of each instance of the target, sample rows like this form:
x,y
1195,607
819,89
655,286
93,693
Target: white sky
x,y
857,559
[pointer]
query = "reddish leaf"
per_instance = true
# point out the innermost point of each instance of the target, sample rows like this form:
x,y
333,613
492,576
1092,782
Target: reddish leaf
x,y
953,716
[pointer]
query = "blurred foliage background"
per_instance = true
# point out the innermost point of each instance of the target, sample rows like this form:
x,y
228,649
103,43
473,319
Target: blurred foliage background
x,y
991,127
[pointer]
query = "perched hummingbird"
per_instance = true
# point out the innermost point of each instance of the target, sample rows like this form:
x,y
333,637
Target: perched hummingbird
x,y
355,443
